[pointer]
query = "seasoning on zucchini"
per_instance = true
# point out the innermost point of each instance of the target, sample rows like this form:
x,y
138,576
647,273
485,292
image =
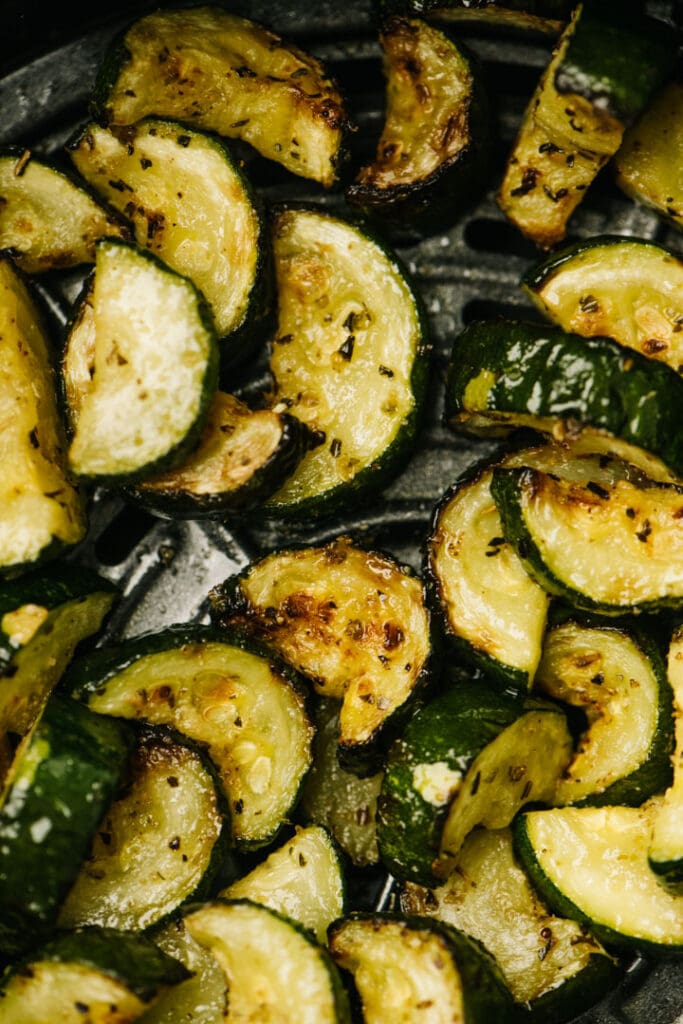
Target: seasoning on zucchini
x,y
605,69
349,359
154,368
227,74
415,969
665,853
432,154
470,757
552,965
544,16
192,207
224,692
42,513
353,621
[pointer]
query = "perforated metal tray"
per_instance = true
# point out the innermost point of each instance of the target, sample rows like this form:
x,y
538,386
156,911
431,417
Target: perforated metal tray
x,y
48,60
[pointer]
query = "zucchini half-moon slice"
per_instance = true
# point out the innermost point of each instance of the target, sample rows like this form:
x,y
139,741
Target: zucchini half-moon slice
x,y
665,854
537,16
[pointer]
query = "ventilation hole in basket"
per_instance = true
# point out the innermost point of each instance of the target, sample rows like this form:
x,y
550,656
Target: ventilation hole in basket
x,y
122,535
508,80
489,309
487,235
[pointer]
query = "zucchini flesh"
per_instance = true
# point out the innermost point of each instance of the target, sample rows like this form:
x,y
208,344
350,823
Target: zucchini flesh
x,y
229,75
665,853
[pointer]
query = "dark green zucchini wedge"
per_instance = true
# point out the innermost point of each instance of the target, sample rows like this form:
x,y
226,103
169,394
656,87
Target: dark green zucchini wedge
x,y
350,359
41,512
243,456
470,757
160,843
64,775
275,970
47,221
432,155
591,864
414,968
665,854
618,678
302,879
553,966
649,159
226,693
217,71
602,74
353,621
529,16
625,288
88,976
201,998
508,374
154,367
191,206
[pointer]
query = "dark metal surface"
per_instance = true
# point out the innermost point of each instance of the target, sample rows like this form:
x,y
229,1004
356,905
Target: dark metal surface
x,y
471,271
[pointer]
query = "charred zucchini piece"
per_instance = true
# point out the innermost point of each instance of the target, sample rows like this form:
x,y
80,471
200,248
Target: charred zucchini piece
x,y
470,757
584,860
349,359
243,456
544,16
224,692
606,67
42,513
155,366
553,966
229,75
160,843
47,221
192,207
275,970
353,621
649,159
665,854
507,374
432,154
96,975
415,969
618,679
625,288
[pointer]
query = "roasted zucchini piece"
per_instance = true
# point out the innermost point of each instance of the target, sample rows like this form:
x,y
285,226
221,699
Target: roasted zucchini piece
x,y
508,374
353,621
470,757
544,16
155,367
591,864
553,966
192,207
605,69
93,975
665,853
217,71
203,997
432,155
415,969
625,288
42,513
226,693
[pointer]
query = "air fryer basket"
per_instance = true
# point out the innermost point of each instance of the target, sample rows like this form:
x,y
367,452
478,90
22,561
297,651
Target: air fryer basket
x,y
166,569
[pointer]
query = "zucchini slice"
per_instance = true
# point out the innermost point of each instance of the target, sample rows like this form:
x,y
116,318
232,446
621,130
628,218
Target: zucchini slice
x,y
275,970
544,16
302,880
470,757
353,621
665,853
42,513
159,844
602,74
192,207
224,692
432,154
93,975
243,456
508,374
155,368
415,969
349,359
63,776
626,288
552,965
47,221
201,998
591,864
217,71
